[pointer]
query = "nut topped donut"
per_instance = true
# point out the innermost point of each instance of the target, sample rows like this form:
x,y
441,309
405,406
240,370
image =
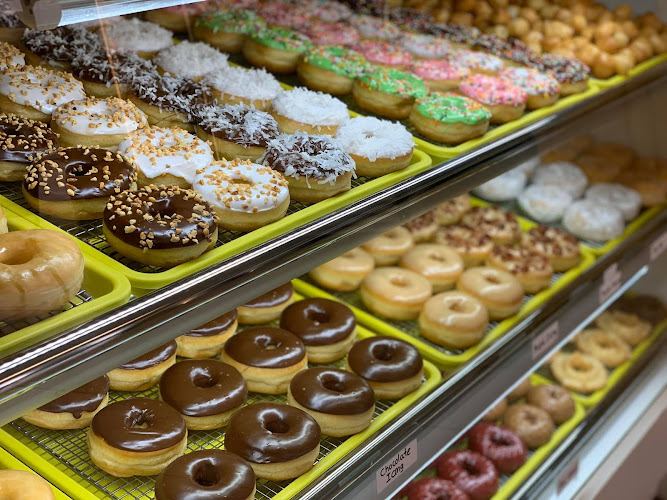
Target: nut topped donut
x,y
21,142
559,246
451,211
532,269
473,245
10,56
501,225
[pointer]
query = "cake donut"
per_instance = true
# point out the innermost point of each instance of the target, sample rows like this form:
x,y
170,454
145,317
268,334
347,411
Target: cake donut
x,y
330,68
21,141
160,226
422,228
387,92
541,89
207,340
451,211
473,245
628,326
375,28
76,183
579,372
520,390
532,269
507,186
553,399
439,264
24,485
254,87
74,410
440,75
10,57
227,30
504,100
384,54
206,392
430,488
57,48
109,75
478,62
145,371
496,412
594,221
545,202
166,156
502,226
144,38
276,49
388,248
303,110
267,307
392,367
532,424
279,441
327,328
611,349
559,246
499,291
627,200
136,437
564,175
500,445
244,195
471,472
206,473
425,46
344,273
190,59
332,33
395,293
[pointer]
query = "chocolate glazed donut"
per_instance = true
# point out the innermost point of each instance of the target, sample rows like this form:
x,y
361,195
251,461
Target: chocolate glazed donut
x,y
268,307
145,371
21,141
207,340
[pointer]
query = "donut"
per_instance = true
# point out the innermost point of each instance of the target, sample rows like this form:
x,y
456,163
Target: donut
x,y
496,412
472,245
377,147
178,18
457,34
532,269
579,372
254,87
57,48
332,33
202,473
10,57
388,248
627,200
505,187
145,371
227,30
35,92
395,293
327,328
11,27
501,226
160,226
504,100
645,307
144,38
440,75
541,89
425,46
520,390
454,319
628,326
499,291
614,154
328,10
478,62
24,485
21,141
109,75
375,28
434,488
528,167
451,211
315,166
74,410
387,92
235,131
341,402
344,273
279,14
593,221
136,437
207,340
422,228
553,399
303,110
597,168
471,472
499,444
3,222
449,117
392,367
384,54
279,441
206,392
572,75
276,49
559,246
267,307
532,424
330,68
564,175
439,264
545,202
190,59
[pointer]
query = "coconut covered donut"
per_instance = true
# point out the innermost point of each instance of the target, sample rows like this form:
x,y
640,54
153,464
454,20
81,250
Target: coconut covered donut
x,y
58,47
505,187
134,35
190,59
564,175
627,200
236,85
545,203
303,110
593,221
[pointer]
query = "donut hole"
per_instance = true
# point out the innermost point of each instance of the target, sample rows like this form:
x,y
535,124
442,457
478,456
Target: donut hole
x,y
369,134
139,419
333,384
317,317
161,206
603,341
437,257
268,343
530,418
16,256
492,278
470,467
383,352
206,475
500,439
277,427
460,306
399,281
203,381
80,169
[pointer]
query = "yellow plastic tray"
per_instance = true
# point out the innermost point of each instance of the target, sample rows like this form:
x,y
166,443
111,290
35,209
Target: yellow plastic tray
x,y
8,462
229,243
102,290
62,456
640,68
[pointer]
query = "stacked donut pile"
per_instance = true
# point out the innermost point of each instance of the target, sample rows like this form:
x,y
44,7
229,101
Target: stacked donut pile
x,y
492,449
211,390
452,270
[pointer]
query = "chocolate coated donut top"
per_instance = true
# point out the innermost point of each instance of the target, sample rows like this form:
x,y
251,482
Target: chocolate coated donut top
x,y
273,298
21,139
333,391
266,433
206,474
86,398
200,387
79,173
61,44
216,327
384,359
319,321
152,358
139,425
265,347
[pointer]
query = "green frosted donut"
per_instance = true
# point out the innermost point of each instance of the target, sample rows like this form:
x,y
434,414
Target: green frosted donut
x,y
393,82
340,60
452,108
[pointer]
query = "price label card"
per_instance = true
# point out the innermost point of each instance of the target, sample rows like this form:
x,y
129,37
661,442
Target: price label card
x,y
611,282
544,341
392,470
657,248
567,476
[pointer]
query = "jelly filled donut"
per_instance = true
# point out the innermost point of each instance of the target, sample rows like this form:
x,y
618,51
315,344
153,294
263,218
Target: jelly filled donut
x,y
471,472
207,340
499,444
439,264
344,273
136,437
593,221
499,291
395,293
74,410
392,367
545,203
24,485
533,425
206,392
564,175
279,441
505,187
21,141
267,307
341,402
145,371
388,248
553,399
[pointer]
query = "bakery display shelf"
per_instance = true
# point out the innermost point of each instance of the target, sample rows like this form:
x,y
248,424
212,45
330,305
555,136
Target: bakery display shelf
x,y
62,456
9,462
637,70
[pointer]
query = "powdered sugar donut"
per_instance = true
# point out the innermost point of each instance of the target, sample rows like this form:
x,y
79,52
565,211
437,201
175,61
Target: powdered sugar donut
x,y
237,85
10,57
542,89
627,200
384,54
563,174
166,156
440,75
529,166
191,60
376,146
374,27
505,187
545,203
308,111
593,221
505,101
425,46
134,35
328,33
478,62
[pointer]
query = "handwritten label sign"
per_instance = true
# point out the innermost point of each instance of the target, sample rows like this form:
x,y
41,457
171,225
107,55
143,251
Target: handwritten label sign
x,y
611,282
567,476
545,340
657,247
398,464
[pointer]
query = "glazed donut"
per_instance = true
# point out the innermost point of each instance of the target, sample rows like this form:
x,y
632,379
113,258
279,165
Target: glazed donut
x,y
384,54
206,392
40,271
207,340
532,269
499,444
253,87
579,372
303,110
440,75
74,410
377,147
21,141
553,399
392,367
627,326
453,319
227,30
276,49
593,221
190,59
10,57
532,424
472,245
217,473
426,46
646,307
496,412
439,264
109,75
24,485
422,228
501,226
57,48
505,187
559,246
627,200
327,328
267,358
541,89
499,291
478,62
388,248
451,211
545,202
504,100
564,175
344,273
267,307
134,35
395,293
136,437
341,402
330,68
471,472
375,28
145,371
3,222
433,488
332,33
131,217
520,390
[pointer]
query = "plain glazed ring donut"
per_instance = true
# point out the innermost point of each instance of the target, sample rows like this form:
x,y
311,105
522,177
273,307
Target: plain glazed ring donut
x,y
24,485
439,264
341,402
611,349
387,248
533,425
471,472
579,372
344,273
553,399
499,444
498,290
395,293
279,441
627,326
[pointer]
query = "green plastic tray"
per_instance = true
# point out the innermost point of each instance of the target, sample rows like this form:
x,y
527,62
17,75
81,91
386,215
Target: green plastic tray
x,y
8,462
640,68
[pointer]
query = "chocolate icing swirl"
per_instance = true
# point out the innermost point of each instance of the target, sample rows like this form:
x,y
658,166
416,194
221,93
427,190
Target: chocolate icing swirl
x,y
273,298
384,359
22,139
265,347
333,391
238,124
152,358
216,327
319,321
87,398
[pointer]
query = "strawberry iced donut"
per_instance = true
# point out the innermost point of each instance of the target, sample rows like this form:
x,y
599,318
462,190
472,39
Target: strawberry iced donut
x,y
328,33
478,62
190,59
503,99
384,54
236,85
425,46
388,92
434,488
331,69
440,75
134,35
303,110
470,471
375,28
542,89
395,293
227,30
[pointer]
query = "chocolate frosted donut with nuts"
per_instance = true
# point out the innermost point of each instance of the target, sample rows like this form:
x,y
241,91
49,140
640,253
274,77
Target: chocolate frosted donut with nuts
x,y
21,141
76,183
109,75
58,47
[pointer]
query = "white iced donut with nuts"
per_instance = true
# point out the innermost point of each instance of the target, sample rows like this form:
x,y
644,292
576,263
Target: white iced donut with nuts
x,y
10,57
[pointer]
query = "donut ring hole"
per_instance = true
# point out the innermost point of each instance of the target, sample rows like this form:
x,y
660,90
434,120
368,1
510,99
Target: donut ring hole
x,y
203,381
500,440
318,317
206,475
277,427
79,169
460,306
603,341
492,278
626,320
15,255
580,365
333,384
267,343
383,352
399,281
161,206
139,419
437,257
369,134
470,467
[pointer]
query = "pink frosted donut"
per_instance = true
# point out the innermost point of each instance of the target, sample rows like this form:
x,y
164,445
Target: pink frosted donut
x,y
326,33
504,100
289,16
478,62
438,74
425,46
384,53
374,27
541,88
328,10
